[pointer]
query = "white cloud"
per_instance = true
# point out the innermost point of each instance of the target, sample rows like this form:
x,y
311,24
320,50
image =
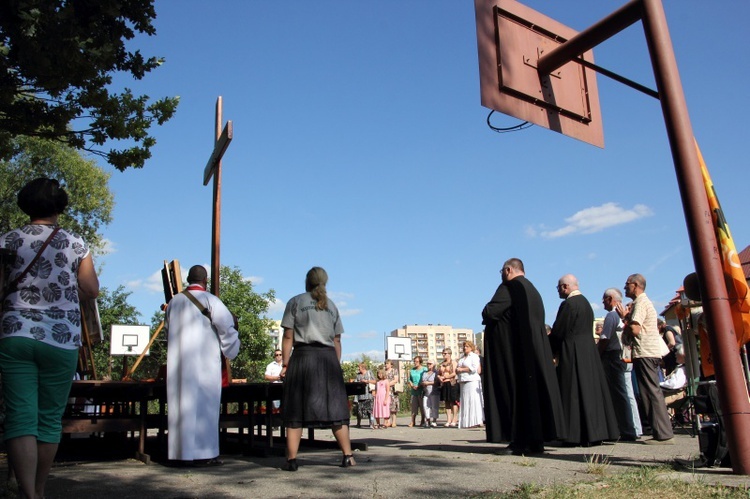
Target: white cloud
x,y
348,312
152,283
276,307
598,218
107,247
341,299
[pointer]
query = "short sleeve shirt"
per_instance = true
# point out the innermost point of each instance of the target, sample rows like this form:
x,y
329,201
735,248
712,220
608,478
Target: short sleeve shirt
x,y
273,369
309,324
46,306
415,376
646,345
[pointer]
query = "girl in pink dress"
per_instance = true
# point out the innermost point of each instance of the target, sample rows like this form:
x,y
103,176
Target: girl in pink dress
x,y
381,407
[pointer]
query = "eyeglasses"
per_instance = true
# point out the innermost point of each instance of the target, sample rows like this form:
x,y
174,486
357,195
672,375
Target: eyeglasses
x,y
277,355
561,286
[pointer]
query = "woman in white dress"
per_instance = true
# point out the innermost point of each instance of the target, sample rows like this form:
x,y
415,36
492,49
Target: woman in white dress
x,y
471,413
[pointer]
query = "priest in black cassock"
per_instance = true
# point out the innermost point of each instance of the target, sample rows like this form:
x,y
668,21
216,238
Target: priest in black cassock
x,y
499,378
536,408
589,413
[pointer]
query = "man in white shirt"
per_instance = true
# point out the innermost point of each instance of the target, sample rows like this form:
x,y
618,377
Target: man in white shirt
x,y
273,373
674,385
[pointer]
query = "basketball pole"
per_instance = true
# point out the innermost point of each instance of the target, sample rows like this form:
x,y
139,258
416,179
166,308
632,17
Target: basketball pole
x,y
706,253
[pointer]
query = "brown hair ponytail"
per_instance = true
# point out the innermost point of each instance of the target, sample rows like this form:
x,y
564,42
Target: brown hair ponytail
x,y
315,283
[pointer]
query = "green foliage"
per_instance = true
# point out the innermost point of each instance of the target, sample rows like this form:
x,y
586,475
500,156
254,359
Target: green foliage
x,y
90,200
351,368
57,60
250,308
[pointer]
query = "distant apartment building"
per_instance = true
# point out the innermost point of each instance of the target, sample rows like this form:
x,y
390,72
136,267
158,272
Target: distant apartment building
x,y
428,341
276,334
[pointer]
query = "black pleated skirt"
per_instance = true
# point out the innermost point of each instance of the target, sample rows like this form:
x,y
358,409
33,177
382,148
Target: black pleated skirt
x,y
314,391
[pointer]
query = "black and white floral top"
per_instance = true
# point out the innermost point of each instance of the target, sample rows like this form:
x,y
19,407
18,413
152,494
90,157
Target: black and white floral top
x,y
45,307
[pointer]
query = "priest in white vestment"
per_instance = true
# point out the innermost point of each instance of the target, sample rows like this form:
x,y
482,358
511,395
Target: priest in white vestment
x,y
195,340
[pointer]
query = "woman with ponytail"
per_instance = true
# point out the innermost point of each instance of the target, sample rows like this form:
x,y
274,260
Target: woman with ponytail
x,y
314,391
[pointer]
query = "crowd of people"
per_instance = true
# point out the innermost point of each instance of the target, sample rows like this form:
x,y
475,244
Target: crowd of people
x,y
535,384
584,388
575,383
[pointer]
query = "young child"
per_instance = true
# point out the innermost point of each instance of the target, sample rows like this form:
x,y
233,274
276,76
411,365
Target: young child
x,y
382,405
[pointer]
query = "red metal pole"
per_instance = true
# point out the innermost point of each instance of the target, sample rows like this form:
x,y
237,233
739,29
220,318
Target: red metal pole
x,y
216,221
706,254
589,38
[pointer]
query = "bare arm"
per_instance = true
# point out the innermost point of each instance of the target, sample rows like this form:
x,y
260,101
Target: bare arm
x,y
337,346
88,281
286,349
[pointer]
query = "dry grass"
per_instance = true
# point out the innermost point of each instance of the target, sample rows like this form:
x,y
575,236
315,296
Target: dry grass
x,y
597,464
648,482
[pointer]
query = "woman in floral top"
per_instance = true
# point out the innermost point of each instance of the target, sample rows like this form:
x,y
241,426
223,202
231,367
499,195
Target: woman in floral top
x,y
41,331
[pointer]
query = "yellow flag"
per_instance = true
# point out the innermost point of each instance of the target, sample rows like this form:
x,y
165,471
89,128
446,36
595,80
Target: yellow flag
x,y
737,289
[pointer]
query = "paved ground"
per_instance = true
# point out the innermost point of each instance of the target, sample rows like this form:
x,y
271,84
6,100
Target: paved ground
x,y
400,462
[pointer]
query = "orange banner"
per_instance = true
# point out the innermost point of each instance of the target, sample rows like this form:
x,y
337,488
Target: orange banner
x,y
737,289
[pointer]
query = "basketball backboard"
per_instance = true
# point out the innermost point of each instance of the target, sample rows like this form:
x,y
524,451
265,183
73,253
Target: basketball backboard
x,y
129,340
510,39
399,348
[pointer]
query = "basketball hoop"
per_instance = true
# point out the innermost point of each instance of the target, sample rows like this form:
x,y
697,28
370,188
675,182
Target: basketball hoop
x,y
515,128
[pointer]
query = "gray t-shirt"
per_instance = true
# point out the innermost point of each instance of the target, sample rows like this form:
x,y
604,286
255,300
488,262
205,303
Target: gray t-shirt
x,y
309,324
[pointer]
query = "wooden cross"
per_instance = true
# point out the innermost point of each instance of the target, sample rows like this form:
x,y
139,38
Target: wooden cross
x,y
213,169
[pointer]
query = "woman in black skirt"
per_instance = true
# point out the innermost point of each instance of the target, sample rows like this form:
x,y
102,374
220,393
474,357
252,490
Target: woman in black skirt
x,y
314,391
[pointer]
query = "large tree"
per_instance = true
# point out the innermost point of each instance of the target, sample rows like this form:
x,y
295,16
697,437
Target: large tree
x,y
90,200
250,308
57,59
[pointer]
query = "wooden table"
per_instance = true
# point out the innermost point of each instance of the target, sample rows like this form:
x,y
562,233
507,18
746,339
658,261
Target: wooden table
x,y
123,407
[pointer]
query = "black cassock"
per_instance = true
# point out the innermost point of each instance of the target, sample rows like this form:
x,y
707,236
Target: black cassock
x,y
497,370
589,413
537,408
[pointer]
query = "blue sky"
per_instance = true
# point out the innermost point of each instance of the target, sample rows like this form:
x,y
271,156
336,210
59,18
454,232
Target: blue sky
x,y
360,145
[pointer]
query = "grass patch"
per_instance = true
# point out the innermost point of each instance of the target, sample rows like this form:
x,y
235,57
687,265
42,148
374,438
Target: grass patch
x,y
525,462
647,482
597,464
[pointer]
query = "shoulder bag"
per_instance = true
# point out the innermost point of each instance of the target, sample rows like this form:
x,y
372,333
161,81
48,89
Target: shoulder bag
x,y
12,286
226,367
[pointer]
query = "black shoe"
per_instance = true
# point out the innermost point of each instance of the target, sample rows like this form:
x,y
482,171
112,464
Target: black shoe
x,y
348,461
205,463
291,465
508,451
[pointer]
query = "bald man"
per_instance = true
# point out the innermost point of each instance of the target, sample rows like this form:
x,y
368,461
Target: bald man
x,y
589,414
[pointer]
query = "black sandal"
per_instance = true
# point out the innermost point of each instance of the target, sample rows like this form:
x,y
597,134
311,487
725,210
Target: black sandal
x,y
348,461
291,465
